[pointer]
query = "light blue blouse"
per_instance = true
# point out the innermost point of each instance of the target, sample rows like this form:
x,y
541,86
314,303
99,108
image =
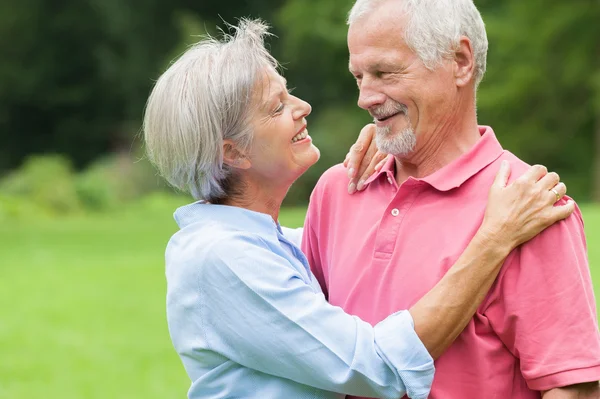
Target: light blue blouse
x,y
249,320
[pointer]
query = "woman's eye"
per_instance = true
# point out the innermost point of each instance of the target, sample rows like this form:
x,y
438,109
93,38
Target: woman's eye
x,y
279,109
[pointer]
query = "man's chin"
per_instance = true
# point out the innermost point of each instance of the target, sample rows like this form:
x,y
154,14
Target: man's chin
x,y
398,144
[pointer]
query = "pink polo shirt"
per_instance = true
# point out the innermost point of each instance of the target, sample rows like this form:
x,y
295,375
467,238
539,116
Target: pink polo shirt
x,y
380,250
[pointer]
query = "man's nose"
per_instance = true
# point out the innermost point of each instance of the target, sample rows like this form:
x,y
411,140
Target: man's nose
x,y
369,95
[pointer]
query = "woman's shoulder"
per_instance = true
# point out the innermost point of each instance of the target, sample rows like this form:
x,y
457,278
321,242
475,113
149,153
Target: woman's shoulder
x,y
196,248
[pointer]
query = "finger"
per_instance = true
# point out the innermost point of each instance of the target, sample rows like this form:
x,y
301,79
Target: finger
x,y
366,166
557,192
380,164
351,187
561,212
377,158
359,149
549,181
346,160
534,174
503,174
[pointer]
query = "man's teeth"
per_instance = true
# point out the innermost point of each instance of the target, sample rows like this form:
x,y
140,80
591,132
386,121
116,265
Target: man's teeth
x,y
300,136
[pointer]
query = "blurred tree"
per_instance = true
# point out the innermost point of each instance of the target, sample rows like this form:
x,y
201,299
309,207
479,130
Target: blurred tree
x,y
541,89
75,75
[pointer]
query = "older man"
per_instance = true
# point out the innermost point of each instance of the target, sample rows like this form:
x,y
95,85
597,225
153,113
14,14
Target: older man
x,y
417,64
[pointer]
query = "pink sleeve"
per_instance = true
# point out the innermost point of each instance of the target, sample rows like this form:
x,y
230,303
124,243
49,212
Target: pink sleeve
x,y
310,244
543,308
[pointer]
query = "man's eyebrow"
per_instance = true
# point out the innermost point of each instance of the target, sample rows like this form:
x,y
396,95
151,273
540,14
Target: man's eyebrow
x,y
378,66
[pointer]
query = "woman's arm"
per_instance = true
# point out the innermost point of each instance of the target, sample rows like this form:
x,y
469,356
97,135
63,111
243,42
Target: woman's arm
x,y
514,215
238,298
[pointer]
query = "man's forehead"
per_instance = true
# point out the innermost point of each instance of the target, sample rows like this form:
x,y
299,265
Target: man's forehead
x,y
373,62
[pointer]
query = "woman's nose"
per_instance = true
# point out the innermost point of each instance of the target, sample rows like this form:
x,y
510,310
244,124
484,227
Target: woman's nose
x,y
302,109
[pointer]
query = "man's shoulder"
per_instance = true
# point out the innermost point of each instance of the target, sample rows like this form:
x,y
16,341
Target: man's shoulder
x,y
333,180
517,167
335,174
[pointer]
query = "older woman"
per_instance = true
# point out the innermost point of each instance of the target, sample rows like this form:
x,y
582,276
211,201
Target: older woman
x,y
245,313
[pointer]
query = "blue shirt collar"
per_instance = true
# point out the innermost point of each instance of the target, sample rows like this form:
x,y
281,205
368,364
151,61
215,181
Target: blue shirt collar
x,y
235,217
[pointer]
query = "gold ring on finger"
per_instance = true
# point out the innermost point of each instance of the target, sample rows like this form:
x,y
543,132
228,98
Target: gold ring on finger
x,y
555,193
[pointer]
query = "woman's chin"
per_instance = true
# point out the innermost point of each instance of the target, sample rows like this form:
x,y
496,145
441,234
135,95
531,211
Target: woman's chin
x,y
308,158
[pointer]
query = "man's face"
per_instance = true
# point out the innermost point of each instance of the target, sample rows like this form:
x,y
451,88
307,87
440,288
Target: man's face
x,y
408,102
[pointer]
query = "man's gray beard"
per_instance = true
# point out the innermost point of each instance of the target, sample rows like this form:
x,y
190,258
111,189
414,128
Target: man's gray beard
x,y
398,144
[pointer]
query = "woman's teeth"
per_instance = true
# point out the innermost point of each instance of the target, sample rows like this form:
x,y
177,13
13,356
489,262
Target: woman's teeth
x,y
300,136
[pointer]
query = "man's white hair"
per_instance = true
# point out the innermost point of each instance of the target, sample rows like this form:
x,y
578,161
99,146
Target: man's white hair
x,y
434,29
205,97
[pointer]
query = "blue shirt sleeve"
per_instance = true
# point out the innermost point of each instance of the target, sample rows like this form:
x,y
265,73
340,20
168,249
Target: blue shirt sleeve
x,y
258,311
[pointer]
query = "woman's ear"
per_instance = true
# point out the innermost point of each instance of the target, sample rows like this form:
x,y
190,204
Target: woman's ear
x,y
233,157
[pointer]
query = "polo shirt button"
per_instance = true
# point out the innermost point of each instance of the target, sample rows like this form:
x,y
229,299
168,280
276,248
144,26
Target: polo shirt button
x,y
390,180
395,212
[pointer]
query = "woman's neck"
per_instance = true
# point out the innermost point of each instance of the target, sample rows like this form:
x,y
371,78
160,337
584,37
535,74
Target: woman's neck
x,y
259,198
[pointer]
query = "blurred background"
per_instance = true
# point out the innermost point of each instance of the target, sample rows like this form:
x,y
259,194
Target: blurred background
x,y
84,218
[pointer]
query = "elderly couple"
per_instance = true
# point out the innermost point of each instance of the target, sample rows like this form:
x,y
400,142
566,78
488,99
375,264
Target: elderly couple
x,y
453,250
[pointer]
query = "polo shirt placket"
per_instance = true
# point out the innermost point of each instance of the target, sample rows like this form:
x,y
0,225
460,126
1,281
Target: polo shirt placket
x,y
391,220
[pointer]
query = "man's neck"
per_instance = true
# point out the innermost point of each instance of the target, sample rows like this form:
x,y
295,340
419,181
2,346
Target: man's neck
x,y
445,144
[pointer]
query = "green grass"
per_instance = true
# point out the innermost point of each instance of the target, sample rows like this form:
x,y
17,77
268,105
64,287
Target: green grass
x,y
83,305
591,219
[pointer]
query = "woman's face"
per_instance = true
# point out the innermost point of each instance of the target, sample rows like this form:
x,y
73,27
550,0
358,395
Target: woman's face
x,y
281,150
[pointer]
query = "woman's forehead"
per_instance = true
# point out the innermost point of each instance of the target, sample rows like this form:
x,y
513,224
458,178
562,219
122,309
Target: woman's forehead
x,y
269,84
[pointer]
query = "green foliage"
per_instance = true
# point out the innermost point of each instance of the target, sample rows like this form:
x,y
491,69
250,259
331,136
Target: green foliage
x,y
76,83
115,180
540,87
48,186
46,181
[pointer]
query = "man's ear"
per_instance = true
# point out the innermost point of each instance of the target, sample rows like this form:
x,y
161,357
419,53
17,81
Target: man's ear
x,y
233,157
464,62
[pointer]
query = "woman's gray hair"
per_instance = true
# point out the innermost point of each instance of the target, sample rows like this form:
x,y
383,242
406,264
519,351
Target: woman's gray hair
x,y
205,97
434,29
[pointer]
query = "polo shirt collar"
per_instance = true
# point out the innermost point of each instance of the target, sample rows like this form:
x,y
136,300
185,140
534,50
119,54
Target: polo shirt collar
x,y
453,175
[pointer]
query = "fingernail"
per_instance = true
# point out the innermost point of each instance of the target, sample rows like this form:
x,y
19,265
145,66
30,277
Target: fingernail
x,y
361,185
351,188
351,173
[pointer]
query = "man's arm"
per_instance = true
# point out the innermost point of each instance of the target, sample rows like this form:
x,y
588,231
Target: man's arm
x,y
588,390
543,309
